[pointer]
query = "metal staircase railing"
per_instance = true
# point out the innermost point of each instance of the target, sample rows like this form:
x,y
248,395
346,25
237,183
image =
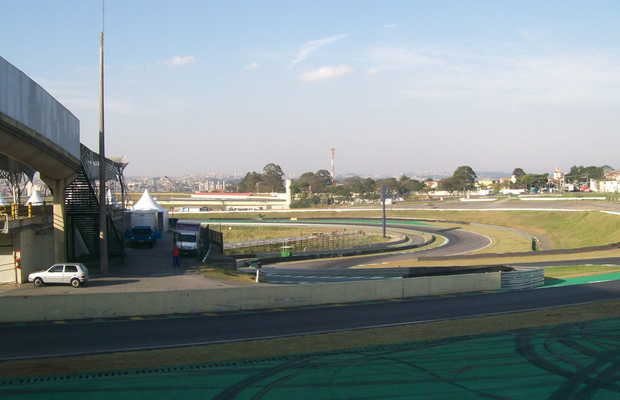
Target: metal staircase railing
x,y
82,217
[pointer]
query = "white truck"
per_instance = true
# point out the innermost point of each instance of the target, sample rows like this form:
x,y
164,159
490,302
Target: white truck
x,y
187,236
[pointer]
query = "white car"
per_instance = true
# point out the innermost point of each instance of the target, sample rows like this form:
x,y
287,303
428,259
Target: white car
x,y
75,274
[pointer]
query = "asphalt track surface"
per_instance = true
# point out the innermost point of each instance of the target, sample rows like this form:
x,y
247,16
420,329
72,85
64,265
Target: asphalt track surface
x,y
459,242
42,340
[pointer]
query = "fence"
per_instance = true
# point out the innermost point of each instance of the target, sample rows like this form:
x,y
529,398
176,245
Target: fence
x,y
316,242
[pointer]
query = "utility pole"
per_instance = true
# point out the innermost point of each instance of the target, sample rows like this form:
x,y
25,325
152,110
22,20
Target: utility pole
x,y
103,222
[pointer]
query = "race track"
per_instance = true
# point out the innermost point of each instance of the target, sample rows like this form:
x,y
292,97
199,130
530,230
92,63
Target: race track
x,y
42,340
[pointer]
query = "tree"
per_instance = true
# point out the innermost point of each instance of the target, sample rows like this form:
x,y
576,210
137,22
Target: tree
x,y
314,182
578,174
251,182
17,175
407,185
271,180
273,177
537,181
464,178
450,184
391,184
517,172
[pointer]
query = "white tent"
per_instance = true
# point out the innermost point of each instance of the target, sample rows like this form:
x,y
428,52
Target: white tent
x,y
109,197
35,198
147,207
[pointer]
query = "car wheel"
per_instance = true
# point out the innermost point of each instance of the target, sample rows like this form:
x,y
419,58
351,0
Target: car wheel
x,y
75,283
38,282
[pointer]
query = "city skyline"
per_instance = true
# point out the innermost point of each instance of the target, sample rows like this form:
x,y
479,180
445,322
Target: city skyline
x,y
405,87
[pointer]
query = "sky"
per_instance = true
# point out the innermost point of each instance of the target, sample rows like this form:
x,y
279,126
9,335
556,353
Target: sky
x,y
395,86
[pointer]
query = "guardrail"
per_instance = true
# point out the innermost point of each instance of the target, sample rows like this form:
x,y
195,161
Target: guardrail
x,y
273,258
18,211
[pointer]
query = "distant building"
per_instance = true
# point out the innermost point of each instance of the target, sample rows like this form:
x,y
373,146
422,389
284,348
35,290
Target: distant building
x,y
232,201
432,185
609,184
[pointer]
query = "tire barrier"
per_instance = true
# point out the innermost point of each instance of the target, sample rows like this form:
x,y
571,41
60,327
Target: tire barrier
x,y
523,278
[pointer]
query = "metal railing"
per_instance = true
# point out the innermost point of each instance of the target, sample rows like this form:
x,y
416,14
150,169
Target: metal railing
x,y
19,211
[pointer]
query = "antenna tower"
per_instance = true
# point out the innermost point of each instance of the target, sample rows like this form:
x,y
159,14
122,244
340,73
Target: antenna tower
x,y
332,158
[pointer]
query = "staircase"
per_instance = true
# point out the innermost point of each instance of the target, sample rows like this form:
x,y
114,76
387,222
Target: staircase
x,y
82,218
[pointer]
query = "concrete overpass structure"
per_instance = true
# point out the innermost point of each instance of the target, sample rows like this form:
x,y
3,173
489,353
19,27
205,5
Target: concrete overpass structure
x,y
38,133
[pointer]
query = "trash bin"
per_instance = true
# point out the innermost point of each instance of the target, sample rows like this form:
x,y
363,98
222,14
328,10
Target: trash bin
x,y
286,251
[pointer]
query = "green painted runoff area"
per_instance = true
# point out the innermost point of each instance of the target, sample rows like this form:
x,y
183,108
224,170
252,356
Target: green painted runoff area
x,y
577,360
556,282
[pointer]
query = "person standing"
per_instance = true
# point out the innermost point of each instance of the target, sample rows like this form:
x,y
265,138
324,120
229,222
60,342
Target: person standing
x,y
176,257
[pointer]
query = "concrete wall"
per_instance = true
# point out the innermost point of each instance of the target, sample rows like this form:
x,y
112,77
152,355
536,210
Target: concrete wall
x,y
7,265
101,305
37,250
23,100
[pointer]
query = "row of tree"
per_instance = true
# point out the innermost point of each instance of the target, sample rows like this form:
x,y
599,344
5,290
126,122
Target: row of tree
x,y
313,188
464,178
579,174
270,180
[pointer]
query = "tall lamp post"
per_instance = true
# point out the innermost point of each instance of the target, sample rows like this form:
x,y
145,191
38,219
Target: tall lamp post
x,y
103,223
383,195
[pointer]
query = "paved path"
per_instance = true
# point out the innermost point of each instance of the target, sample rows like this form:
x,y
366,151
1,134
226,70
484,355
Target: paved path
x,y
143,269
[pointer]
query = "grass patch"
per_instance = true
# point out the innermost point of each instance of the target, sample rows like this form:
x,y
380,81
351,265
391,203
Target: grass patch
x,y
310,343
503,240
562,229
224,274
413,262
574,271
238,233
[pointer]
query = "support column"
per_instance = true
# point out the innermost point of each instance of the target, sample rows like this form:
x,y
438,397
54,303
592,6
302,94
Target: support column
x,y
58,213
58,218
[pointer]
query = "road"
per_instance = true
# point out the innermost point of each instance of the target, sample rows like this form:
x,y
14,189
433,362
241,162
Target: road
x,y
41,340
459,242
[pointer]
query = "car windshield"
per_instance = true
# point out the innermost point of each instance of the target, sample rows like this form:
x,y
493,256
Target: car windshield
x,y
187,238
142,231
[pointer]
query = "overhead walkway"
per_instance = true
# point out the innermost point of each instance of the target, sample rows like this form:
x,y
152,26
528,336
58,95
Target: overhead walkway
x,y
38,133
36,129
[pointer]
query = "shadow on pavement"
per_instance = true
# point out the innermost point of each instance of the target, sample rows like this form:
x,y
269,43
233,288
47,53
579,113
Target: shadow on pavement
x,y
101,283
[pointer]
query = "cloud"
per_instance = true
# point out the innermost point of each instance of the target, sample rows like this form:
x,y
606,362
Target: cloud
x,y
251,66
314,45
390,26
552,79
394,58
178,61
326,72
